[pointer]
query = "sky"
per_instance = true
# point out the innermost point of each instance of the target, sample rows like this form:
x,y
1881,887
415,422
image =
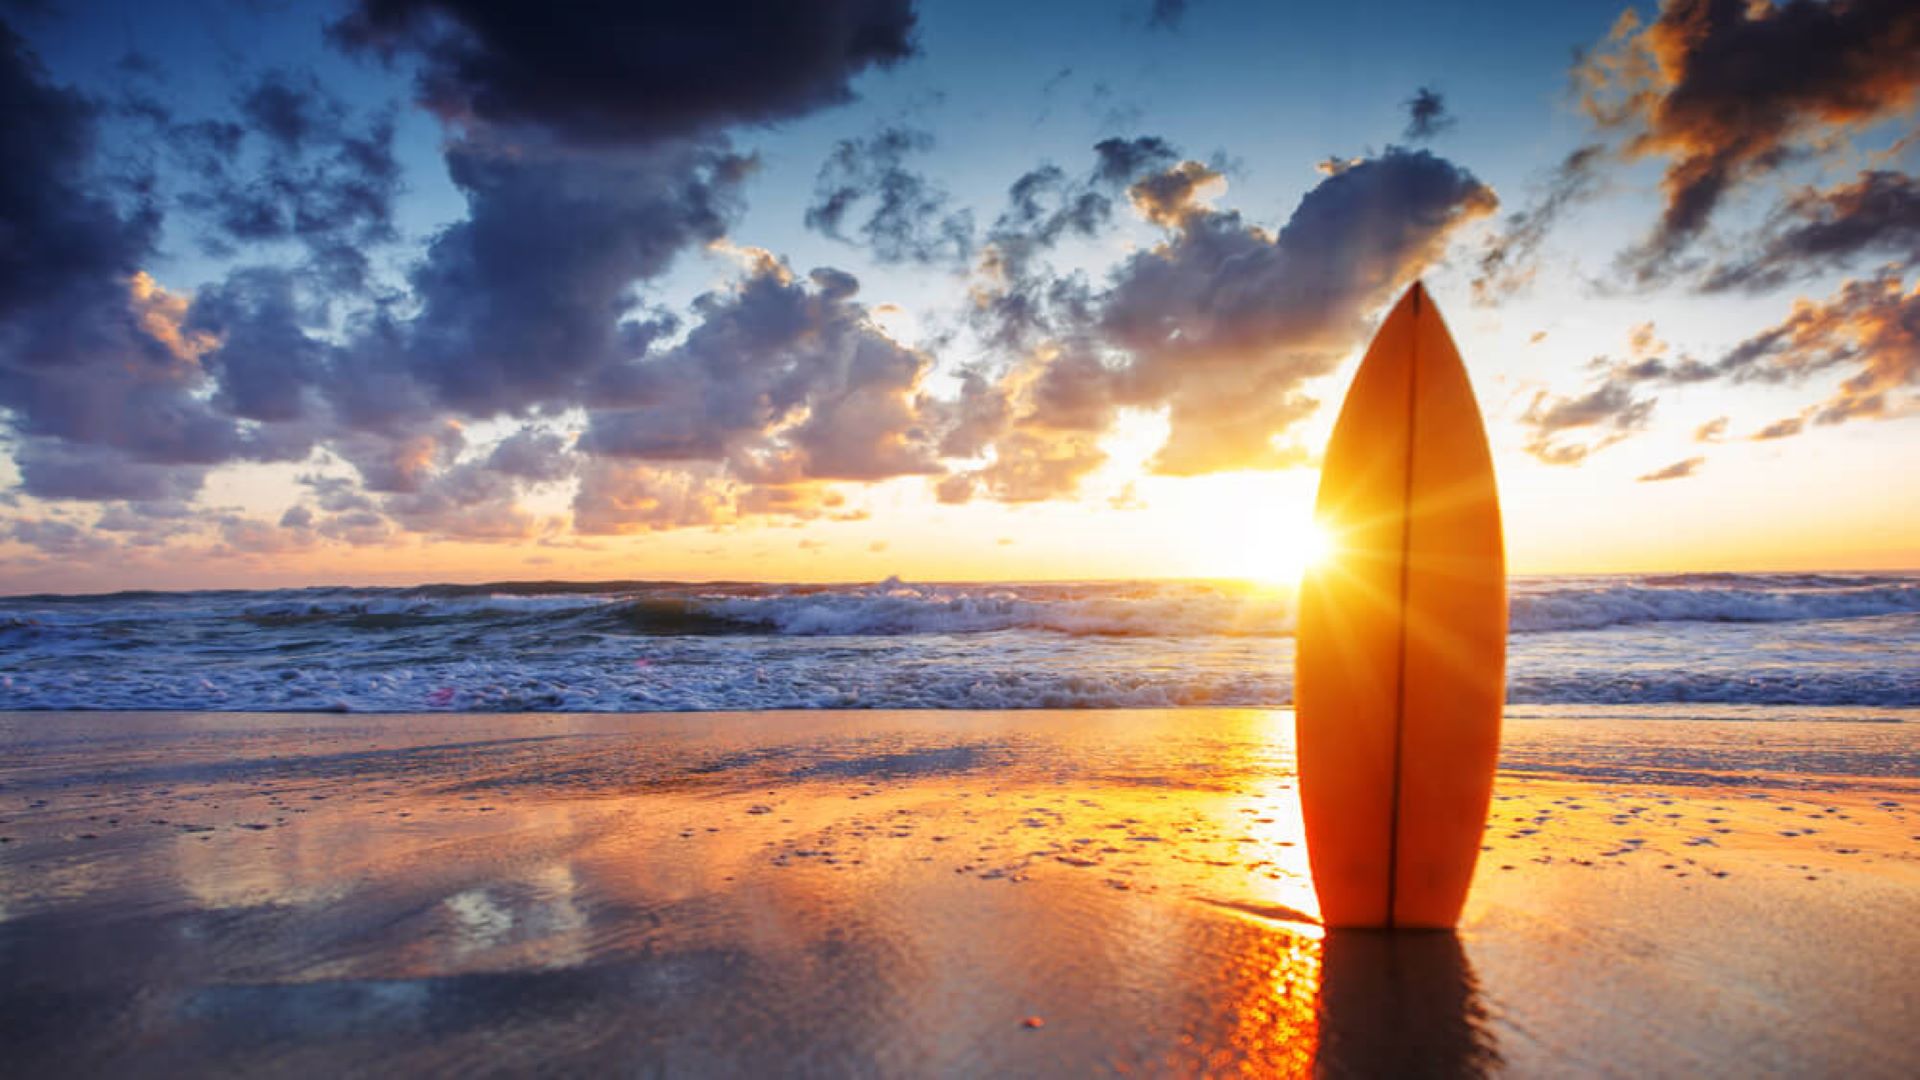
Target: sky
x,y
395,291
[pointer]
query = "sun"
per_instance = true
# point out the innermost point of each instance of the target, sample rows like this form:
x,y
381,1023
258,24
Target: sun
x,y
1257,527
1309,544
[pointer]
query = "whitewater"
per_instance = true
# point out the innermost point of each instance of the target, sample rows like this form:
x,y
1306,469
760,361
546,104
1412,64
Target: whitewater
x,y
1832,644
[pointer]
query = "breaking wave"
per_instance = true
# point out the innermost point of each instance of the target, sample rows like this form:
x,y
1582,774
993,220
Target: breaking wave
x,y
1806,639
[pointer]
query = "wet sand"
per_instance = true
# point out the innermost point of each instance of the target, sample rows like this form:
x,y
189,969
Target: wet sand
x,y
909,893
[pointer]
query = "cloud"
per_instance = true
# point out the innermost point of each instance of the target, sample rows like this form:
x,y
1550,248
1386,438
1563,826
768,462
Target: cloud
x,y
1814,231
1726,91
1603,416
1166,14
530,296
1676,471
909,219
620,497
782,377
1224,321
1023,301
467,501
1712,431
532,454
1219,325
1427,115
294,167
603,73
97,370
1509,260
1780,429
53,536
1031,467
1869,331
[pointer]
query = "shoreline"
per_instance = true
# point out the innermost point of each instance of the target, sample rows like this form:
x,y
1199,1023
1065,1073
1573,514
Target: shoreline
x,y
899,891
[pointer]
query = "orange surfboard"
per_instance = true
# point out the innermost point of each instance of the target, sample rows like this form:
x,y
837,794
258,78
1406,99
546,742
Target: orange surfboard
x,y
1401,664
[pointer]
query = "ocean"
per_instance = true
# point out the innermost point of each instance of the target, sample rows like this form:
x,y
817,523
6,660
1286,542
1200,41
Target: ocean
x,y
1835,645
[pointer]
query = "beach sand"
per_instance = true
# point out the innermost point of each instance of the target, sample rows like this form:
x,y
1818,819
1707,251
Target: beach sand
x,y
936,892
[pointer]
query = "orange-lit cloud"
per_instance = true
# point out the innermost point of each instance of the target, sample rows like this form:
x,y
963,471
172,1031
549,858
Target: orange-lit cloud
x,y
1726,91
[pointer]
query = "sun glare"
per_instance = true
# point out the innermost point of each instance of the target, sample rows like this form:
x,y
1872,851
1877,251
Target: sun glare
x,y
1310,544
1257,527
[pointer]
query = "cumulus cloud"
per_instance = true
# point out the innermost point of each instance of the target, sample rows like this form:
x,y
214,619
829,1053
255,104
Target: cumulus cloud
x,y
600,72
782,387
1727,91
97,371
900,214
589,157
1219,324
1677,471
1225,320
532,293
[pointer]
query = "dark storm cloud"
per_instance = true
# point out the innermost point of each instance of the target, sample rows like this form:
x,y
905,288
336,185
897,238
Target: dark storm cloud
x,y
1427,115
900,214
1679,470
591,151
1813,231
1509,261
1726,91
603,70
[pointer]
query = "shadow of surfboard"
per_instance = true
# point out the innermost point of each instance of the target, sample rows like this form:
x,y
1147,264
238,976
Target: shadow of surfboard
x,y
1399,1003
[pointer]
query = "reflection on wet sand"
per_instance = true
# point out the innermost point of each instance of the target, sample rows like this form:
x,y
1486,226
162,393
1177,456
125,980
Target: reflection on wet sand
x,y
882,894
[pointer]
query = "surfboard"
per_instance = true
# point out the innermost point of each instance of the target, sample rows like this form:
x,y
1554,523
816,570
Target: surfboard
x,y
1401,641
